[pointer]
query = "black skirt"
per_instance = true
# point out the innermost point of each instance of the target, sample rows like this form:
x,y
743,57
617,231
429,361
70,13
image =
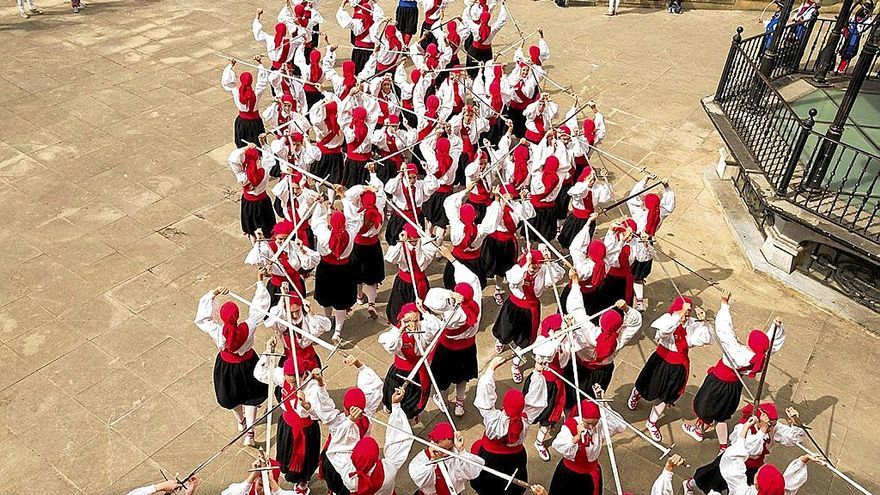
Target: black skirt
x,y
513,325
335,285
257,215
708,477
434,211
519,121
611,290
496,131
641,269
717,400
360,56
407,19
313,97
354,173
284,444
475,56
587,377
545,223
247,130
476,266
592,303
489,484
412,397
571,227
329,166
498,256
393,228
544,417
661,380
562,202
235,385
449,366
567,481
331,477
368,262
401,293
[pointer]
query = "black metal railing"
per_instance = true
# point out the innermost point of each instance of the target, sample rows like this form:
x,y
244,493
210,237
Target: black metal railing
x,y
818,39
785,147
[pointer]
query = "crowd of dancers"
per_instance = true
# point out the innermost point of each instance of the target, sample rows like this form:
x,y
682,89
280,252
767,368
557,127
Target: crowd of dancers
x,y
432,144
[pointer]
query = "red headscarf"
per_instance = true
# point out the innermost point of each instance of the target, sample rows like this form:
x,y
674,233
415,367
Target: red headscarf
x,y
442,431
520,164
234,332
550,324
590,131
759,343
485,29
368,468
252,168
610,323
468,215
338,235
513,404
330,117
769,480
432,103
282,228
315,71
495,93
354,397
441,153
589,410
535,54
596,250
537,258
678,303
652,203
585,173
359,124
372,217
246,95
549,177
302,15
393,40
468,305
348,77
280,31
452,35
362,12
432,60
415,75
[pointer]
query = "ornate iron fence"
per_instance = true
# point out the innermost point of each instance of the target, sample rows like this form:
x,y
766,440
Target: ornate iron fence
x,y
785,147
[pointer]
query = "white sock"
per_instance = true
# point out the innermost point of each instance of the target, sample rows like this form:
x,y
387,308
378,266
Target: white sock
x,y
639,288
542,435
339,316
250,414
460,389
238,414
517,361
370,291
657,412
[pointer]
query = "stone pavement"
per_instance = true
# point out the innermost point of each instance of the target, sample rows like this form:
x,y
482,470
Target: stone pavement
x,y
118,212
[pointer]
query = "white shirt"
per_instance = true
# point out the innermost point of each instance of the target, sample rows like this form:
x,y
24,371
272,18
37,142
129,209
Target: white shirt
x,y
204,318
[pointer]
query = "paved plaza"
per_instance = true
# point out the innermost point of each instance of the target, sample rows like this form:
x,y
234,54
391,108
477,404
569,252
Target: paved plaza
x,y
118,212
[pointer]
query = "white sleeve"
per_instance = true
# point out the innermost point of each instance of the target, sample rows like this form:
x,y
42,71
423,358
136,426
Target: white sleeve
x,y
733,468
421,472
795,476
205,321
370,383
144,490
563,443
398,440
663,484
635,203
227,79
237,489
390,340
259,305
788,435
740,354
486,395
536,398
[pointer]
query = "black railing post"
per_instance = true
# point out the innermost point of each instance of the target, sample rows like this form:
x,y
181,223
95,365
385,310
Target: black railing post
x,y
725,74
819,167
827,53
802,47
768,59
796,152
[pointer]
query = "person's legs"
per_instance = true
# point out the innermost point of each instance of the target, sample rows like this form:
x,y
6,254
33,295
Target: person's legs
x,y
250,415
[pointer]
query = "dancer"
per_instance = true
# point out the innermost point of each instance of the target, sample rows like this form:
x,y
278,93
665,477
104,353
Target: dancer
x,y
366,256
435,473
246,97
251,168
235,387
665,374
